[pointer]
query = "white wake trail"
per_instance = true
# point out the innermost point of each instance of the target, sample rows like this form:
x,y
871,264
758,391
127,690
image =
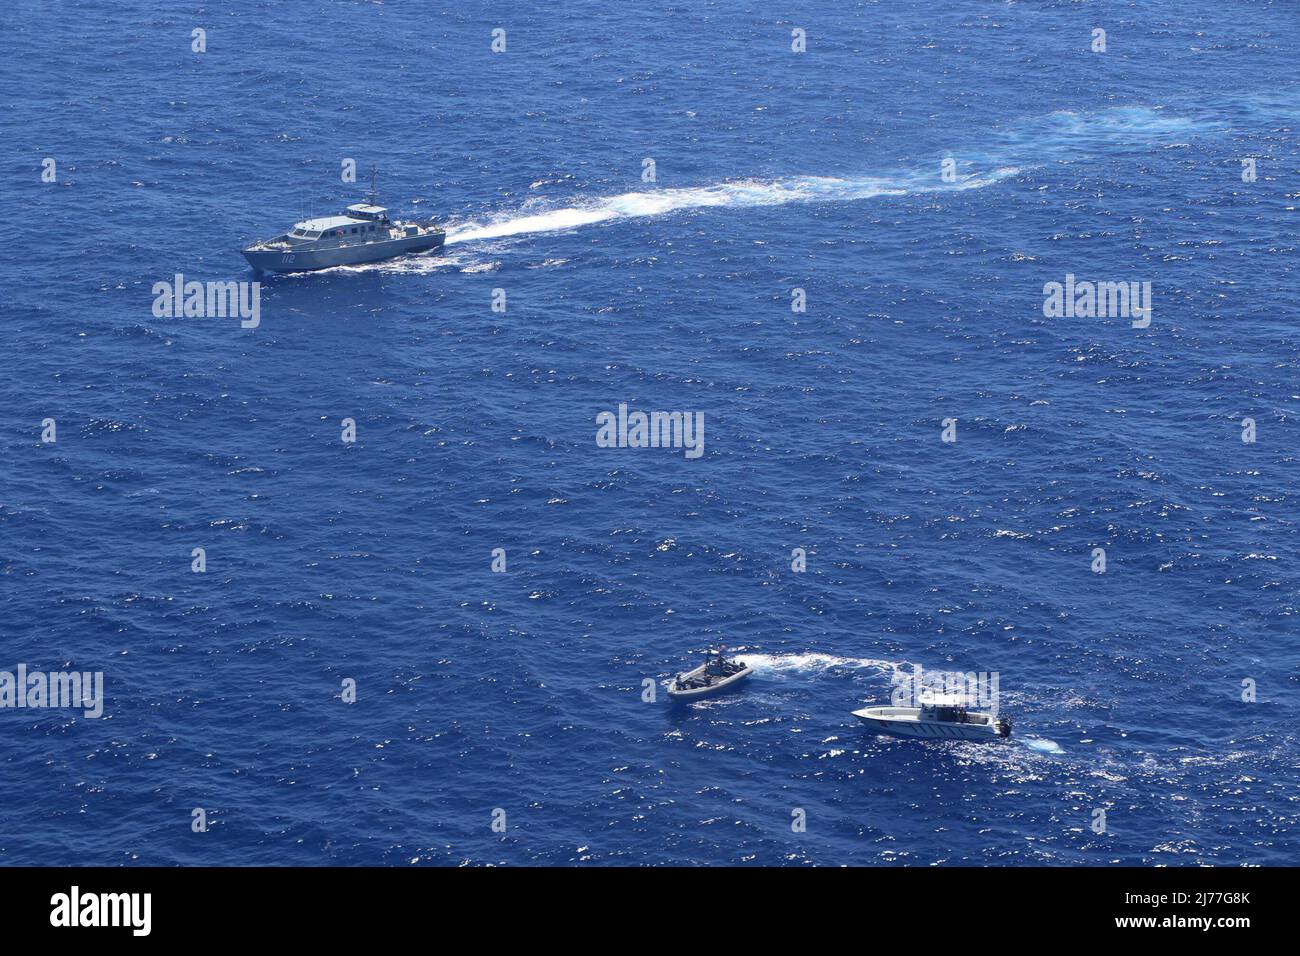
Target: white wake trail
x,y
1032,142
815,663
736,194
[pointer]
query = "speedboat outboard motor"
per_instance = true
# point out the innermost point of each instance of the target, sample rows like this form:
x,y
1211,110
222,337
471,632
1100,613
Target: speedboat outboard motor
x,y
1003,727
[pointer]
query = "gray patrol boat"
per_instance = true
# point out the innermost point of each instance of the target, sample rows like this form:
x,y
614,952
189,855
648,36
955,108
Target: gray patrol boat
x,y
364,234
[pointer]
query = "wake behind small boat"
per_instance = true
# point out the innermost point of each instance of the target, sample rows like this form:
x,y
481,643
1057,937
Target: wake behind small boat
x,y
940,716
364,234
711,677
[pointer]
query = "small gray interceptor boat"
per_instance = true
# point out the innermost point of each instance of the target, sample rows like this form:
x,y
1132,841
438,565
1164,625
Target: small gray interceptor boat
x,y
711,677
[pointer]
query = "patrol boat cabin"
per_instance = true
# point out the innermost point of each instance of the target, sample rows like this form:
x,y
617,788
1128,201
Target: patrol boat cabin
x,y
365,234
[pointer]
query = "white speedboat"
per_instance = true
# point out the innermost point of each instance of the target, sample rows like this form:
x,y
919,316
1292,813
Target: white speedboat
x,y
940,717
714,675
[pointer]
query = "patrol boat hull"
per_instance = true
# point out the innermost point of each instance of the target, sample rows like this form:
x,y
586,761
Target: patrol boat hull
x,y
289,258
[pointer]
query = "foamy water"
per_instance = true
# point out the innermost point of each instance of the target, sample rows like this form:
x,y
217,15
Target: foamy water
x,y
812,663
1041,746
1033,142
749,193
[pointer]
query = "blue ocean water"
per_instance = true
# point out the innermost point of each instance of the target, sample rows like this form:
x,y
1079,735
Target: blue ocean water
x,y
522,691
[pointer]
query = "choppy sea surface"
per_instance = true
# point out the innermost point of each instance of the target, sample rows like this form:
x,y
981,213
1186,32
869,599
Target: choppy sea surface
x,y
523,691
